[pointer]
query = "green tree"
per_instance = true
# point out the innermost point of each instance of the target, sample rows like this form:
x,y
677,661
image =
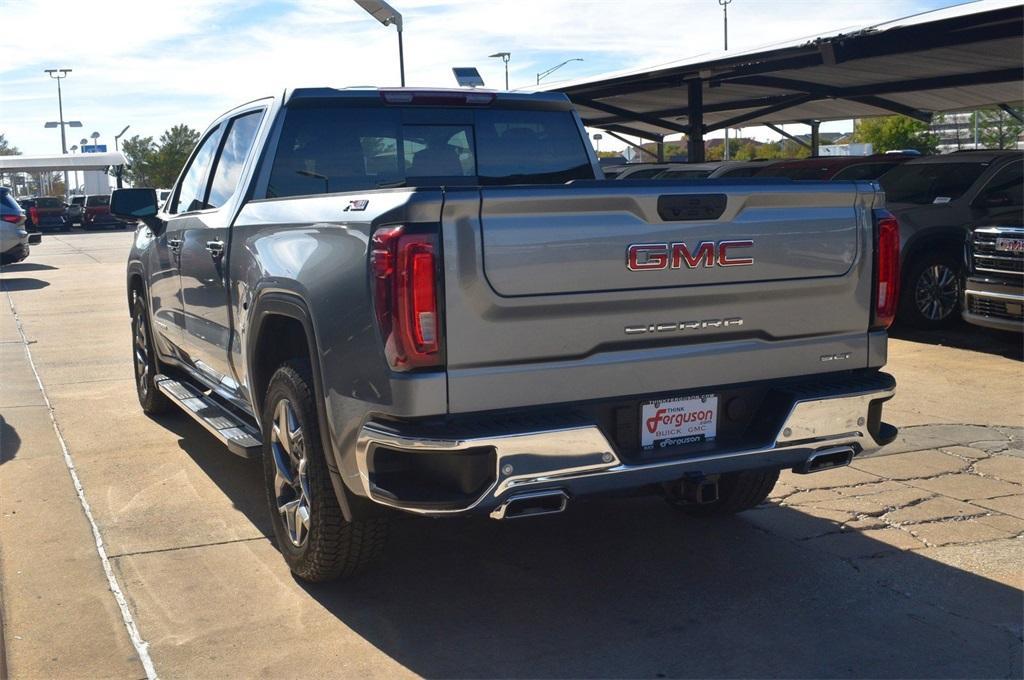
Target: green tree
x,y
895,132
172,151
998,129
6,149
141,154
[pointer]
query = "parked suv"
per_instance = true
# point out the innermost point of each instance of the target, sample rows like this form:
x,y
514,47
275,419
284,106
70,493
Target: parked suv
x,y
937,200
75,209
835,167
14,237
425,302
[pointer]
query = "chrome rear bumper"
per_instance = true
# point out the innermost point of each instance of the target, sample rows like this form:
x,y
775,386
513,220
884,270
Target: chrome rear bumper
x,y
579,460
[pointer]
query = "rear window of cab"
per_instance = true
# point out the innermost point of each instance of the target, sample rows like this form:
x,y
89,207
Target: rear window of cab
x,y
94,201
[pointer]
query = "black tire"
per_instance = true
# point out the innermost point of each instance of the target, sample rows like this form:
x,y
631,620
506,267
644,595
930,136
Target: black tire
x,y
930,294
152,400
325,546
737,491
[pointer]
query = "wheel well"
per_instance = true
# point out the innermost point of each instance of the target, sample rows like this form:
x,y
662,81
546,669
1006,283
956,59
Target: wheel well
x,y
946,244
280,339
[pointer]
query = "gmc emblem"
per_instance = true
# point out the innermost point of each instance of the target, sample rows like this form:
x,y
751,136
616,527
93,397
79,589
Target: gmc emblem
x,y
646,256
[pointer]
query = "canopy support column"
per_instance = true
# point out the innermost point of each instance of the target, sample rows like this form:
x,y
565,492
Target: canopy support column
x,y
695,137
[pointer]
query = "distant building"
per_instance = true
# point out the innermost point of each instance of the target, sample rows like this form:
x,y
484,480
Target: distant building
x,y
955,131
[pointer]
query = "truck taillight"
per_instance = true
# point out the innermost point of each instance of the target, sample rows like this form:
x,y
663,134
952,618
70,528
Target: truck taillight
x,y
34,214
404,267
887,269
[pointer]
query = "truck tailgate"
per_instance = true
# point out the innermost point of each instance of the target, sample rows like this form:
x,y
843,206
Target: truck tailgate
x,y
543,303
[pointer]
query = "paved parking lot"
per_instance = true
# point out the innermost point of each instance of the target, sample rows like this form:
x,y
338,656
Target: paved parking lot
x,y
907,565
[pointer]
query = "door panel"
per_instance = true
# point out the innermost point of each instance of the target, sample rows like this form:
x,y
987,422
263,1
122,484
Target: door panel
x,y
204,281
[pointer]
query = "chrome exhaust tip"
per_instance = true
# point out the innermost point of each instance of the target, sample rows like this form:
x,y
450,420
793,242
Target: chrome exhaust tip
x,y
826,459
532,505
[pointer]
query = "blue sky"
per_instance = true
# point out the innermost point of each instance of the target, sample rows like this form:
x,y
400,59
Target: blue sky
x,y
155,64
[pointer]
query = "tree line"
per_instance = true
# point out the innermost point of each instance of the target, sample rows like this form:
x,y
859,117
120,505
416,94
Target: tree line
x,y
158,163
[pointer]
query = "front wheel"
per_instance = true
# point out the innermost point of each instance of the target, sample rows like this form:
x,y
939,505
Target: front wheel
x,y
311,532
737,491
931,294
151,399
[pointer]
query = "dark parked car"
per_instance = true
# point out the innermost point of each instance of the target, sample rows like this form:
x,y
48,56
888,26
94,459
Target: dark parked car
x,y
44,212
96,214
74,211
938,200
14,237
836,167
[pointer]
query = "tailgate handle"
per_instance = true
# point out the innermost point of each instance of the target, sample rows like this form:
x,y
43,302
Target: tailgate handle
x,y
690,207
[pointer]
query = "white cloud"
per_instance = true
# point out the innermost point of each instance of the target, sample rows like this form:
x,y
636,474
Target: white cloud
x,y
154,64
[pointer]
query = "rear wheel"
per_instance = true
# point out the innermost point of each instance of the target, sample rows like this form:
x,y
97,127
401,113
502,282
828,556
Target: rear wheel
x,y
737,491
931,294
310,530
151,399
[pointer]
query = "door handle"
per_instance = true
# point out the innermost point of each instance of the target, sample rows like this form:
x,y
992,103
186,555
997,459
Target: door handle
x,y
216,249
174,244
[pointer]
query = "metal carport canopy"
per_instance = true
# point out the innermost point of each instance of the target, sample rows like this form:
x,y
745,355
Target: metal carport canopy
x,y
85,161
950,59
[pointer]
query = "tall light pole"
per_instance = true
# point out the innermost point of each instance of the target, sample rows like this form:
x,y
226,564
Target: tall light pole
x,y
725,36
387,15
545,74
119,135
59,74
504,56
725,21
74,148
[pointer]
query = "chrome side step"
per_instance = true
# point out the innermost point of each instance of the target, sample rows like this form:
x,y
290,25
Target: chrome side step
x,y
239,437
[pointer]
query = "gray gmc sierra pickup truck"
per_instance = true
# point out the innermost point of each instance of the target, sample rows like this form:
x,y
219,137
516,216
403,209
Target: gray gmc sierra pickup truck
x,y
432,302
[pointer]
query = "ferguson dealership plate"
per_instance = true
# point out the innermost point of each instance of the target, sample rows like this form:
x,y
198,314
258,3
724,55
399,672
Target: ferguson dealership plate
x,y
672,422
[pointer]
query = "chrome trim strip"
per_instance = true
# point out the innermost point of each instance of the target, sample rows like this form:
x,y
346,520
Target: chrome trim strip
x,y
997,296
528,459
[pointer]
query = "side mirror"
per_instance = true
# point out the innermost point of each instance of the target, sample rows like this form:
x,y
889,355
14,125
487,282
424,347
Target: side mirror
x,y
135,204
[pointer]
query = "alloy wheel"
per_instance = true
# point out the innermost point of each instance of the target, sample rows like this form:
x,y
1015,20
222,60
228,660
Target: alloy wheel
x,y
291,485
141,354
937,292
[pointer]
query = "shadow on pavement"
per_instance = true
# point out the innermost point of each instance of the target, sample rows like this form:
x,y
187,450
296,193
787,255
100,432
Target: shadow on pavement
x,y
966,336
10,441
11,285
628,587
27,267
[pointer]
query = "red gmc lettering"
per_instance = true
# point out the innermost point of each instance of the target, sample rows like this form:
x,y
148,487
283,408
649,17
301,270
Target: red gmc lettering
x,y
725,261
705,251
654,256
657,256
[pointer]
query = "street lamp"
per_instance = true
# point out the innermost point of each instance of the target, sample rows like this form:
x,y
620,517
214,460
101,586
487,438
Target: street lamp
x,y
387,15
119,135
597,142
725,21
545,74
59,74
504,56
74,148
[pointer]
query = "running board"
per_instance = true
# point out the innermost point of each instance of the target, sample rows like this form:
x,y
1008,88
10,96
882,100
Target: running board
x,y
239,437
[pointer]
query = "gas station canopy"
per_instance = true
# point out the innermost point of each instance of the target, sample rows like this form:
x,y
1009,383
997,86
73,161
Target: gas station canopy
x,y
952,59
85,161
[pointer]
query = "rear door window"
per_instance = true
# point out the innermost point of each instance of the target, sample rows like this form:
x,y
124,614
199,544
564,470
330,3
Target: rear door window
x,y
95,201
1007,187
863,171
228,170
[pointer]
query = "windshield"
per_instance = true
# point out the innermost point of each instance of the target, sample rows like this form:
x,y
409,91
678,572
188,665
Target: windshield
x,y
328,148
924,183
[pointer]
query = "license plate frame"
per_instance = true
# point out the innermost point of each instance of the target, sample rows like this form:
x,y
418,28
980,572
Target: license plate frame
x,y
678,421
